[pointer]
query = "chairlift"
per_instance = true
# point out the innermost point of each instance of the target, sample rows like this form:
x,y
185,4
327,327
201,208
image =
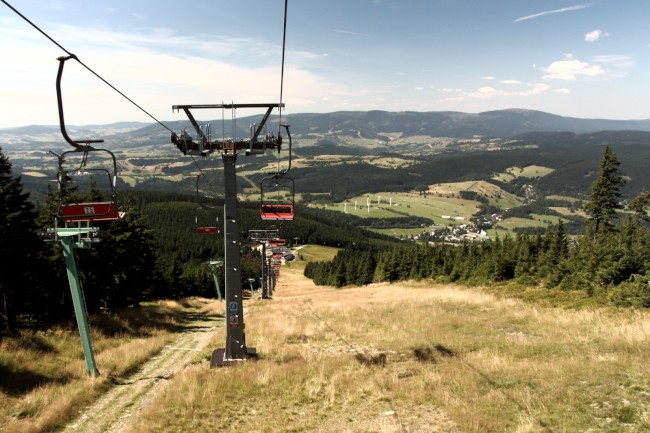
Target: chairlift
x,y
200,219
69,210
277,198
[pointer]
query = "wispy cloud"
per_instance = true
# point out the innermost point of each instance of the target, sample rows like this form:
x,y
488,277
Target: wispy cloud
x,y
491,92
347,32
157,77
554,11
510,82
615,60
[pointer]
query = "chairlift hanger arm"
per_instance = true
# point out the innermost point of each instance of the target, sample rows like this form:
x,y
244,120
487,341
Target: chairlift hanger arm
x,y
79,144
196,126
286,128
260,126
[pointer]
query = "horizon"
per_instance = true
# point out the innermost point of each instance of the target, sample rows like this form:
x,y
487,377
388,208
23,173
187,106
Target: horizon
x,y
421,56
151,122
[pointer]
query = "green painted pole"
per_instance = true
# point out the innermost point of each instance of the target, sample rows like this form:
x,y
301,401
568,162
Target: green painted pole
x,y
79,303
213,267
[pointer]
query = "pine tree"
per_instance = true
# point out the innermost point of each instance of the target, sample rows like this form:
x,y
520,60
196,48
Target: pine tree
x,y
18,244
559,247
639,204
605,194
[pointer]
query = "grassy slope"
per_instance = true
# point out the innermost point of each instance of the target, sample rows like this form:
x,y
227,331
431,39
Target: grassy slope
x,y
43,384
420,358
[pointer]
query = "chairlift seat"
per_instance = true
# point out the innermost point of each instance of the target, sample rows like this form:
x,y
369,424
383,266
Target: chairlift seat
x,y
94,211
207,230
277,212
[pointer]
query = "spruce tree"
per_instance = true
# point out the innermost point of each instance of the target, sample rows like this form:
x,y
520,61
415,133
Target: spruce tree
x,y
559,244
18,244
639,204
605,195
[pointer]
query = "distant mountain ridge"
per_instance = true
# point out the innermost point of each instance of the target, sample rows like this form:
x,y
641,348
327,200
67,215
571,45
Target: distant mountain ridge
x,y
371,124
500,123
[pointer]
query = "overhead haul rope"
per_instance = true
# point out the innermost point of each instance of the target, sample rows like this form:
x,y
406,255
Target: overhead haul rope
x,y
284,43
86,66
98,76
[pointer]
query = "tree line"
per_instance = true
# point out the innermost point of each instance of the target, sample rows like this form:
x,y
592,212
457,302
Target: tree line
x,y
612,254
153,252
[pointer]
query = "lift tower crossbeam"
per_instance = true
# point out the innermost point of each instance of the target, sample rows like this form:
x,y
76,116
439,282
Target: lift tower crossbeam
x,y
235,348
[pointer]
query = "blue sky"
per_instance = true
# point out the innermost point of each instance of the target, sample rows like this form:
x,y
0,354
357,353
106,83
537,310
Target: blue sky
x,y
581,59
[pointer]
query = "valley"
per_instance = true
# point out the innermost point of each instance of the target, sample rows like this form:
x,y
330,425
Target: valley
x,y
347,162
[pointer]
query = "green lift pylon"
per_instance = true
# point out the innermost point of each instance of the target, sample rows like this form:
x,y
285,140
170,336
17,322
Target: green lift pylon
x,y
70,238
214,264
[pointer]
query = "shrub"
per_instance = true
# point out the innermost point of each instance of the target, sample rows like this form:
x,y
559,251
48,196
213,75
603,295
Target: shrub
x,y
633,293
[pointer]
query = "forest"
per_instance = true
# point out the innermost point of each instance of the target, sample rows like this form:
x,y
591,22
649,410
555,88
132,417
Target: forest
x,y
154,253
151,253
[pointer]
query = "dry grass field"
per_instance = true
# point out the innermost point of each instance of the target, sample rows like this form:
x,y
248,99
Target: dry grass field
x,y
43,385
416,357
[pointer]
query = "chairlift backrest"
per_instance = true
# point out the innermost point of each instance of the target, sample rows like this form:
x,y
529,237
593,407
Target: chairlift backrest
x,y
200,226
80,211
207,230
277,198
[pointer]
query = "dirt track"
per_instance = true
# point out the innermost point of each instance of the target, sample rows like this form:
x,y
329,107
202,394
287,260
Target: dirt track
x,y
114,412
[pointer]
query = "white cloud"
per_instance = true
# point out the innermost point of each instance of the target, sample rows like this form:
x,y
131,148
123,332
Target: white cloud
x,y
488,78
570,69
485,92
536,89
554,11
491,92
510,82
452,99
593,35
156,70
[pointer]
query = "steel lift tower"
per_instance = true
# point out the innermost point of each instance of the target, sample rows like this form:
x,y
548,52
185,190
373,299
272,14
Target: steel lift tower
x,y
259,141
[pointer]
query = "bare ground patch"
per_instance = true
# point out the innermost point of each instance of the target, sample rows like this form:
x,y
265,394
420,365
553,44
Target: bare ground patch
x,y
115,411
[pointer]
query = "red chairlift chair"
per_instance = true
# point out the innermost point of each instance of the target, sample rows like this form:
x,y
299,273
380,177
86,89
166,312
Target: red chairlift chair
x,y
277,198
73,211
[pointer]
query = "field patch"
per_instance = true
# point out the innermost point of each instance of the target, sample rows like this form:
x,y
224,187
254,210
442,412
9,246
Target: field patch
x,y
530,171
495,195
397,205
569,212
389,162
